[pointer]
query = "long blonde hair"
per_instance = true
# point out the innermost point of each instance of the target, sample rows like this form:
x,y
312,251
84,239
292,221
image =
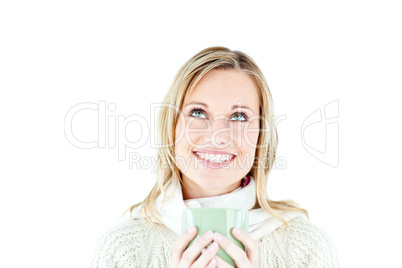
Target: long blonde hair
x,y
186,79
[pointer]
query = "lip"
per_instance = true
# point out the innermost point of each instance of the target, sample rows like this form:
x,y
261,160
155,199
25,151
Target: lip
x,y
208,151
213,165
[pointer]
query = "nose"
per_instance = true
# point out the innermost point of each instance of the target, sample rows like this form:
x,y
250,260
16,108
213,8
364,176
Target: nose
x,y
220,132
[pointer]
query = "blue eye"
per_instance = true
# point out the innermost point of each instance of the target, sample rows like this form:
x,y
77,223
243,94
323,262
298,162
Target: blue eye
x,y
198,113
239,117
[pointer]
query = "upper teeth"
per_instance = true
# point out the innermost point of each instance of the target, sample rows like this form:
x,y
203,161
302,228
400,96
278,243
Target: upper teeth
x,y
215,157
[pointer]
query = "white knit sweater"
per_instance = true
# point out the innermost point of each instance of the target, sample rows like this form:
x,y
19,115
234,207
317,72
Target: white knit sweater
x,y
137,243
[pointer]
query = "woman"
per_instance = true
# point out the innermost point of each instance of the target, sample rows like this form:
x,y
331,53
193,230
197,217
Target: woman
x,y
218,145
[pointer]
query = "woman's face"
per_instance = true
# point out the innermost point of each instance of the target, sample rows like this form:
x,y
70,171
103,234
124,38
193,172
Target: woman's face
x,y
216,133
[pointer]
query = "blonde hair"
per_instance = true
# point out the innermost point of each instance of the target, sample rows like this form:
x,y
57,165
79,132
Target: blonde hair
x,y
186,79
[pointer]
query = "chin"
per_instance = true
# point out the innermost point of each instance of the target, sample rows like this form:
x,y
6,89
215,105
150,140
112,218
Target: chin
x,y
213,182
209,182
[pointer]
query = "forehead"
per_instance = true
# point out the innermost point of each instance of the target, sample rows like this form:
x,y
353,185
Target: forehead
x,y
222,88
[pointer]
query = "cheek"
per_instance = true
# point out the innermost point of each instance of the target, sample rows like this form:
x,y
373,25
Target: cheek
x,y
252,138
248,135
180,148
179,133
188,133
194,131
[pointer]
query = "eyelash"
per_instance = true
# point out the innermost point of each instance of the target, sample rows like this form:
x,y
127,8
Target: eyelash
x,y
201,110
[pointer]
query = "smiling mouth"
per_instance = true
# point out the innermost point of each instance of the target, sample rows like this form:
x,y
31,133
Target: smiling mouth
x,y
215,158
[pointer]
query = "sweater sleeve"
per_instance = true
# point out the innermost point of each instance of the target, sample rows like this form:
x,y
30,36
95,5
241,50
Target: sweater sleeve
x,y
121,246
302,244
104,253
307,245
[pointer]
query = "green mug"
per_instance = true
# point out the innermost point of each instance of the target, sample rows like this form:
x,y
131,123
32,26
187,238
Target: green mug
x,y
219,220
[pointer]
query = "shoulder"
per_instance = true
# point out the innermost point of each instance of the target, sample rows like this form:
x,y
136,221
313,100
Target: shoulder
x,y
126,230
131,243
301,244
115,240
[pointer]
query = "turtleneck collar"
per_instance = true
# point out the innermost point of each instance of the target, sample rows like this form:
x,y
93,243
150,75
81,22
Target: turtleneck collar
x,y
240,198
260,222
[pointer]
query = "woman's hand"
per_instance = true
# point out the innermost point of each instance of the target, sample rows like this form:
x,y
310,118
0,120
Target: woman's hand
x,y
185,258
241,258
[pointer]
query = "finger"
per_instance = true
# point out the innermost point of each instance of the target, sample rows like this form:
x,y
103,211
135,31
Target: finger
x,y
181,244
207,257
212,264
221,263
192,252
238,255
250,244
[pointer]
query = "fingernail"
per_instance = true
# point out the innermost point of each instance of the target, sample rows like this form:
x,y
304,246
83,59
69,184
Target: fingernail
x,y
218,237
213,246
236,230
212,263
208,235
191,229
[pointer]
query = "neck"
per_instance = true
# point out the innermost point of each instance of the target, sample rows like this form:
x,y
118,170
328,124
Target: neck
x,y
193,191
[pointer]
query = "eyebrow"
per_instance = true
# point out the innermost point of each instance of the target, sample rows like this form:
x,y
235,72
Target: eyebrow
x,y
233,107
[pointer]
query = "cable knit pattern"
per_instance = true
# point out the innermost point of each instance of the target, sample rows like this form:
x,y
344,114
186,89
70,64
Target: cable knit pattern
x,y
302,244
137,243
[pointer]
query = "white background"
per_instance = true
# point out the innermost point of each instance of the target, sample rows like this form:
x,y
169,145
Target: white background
x,y
56,199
